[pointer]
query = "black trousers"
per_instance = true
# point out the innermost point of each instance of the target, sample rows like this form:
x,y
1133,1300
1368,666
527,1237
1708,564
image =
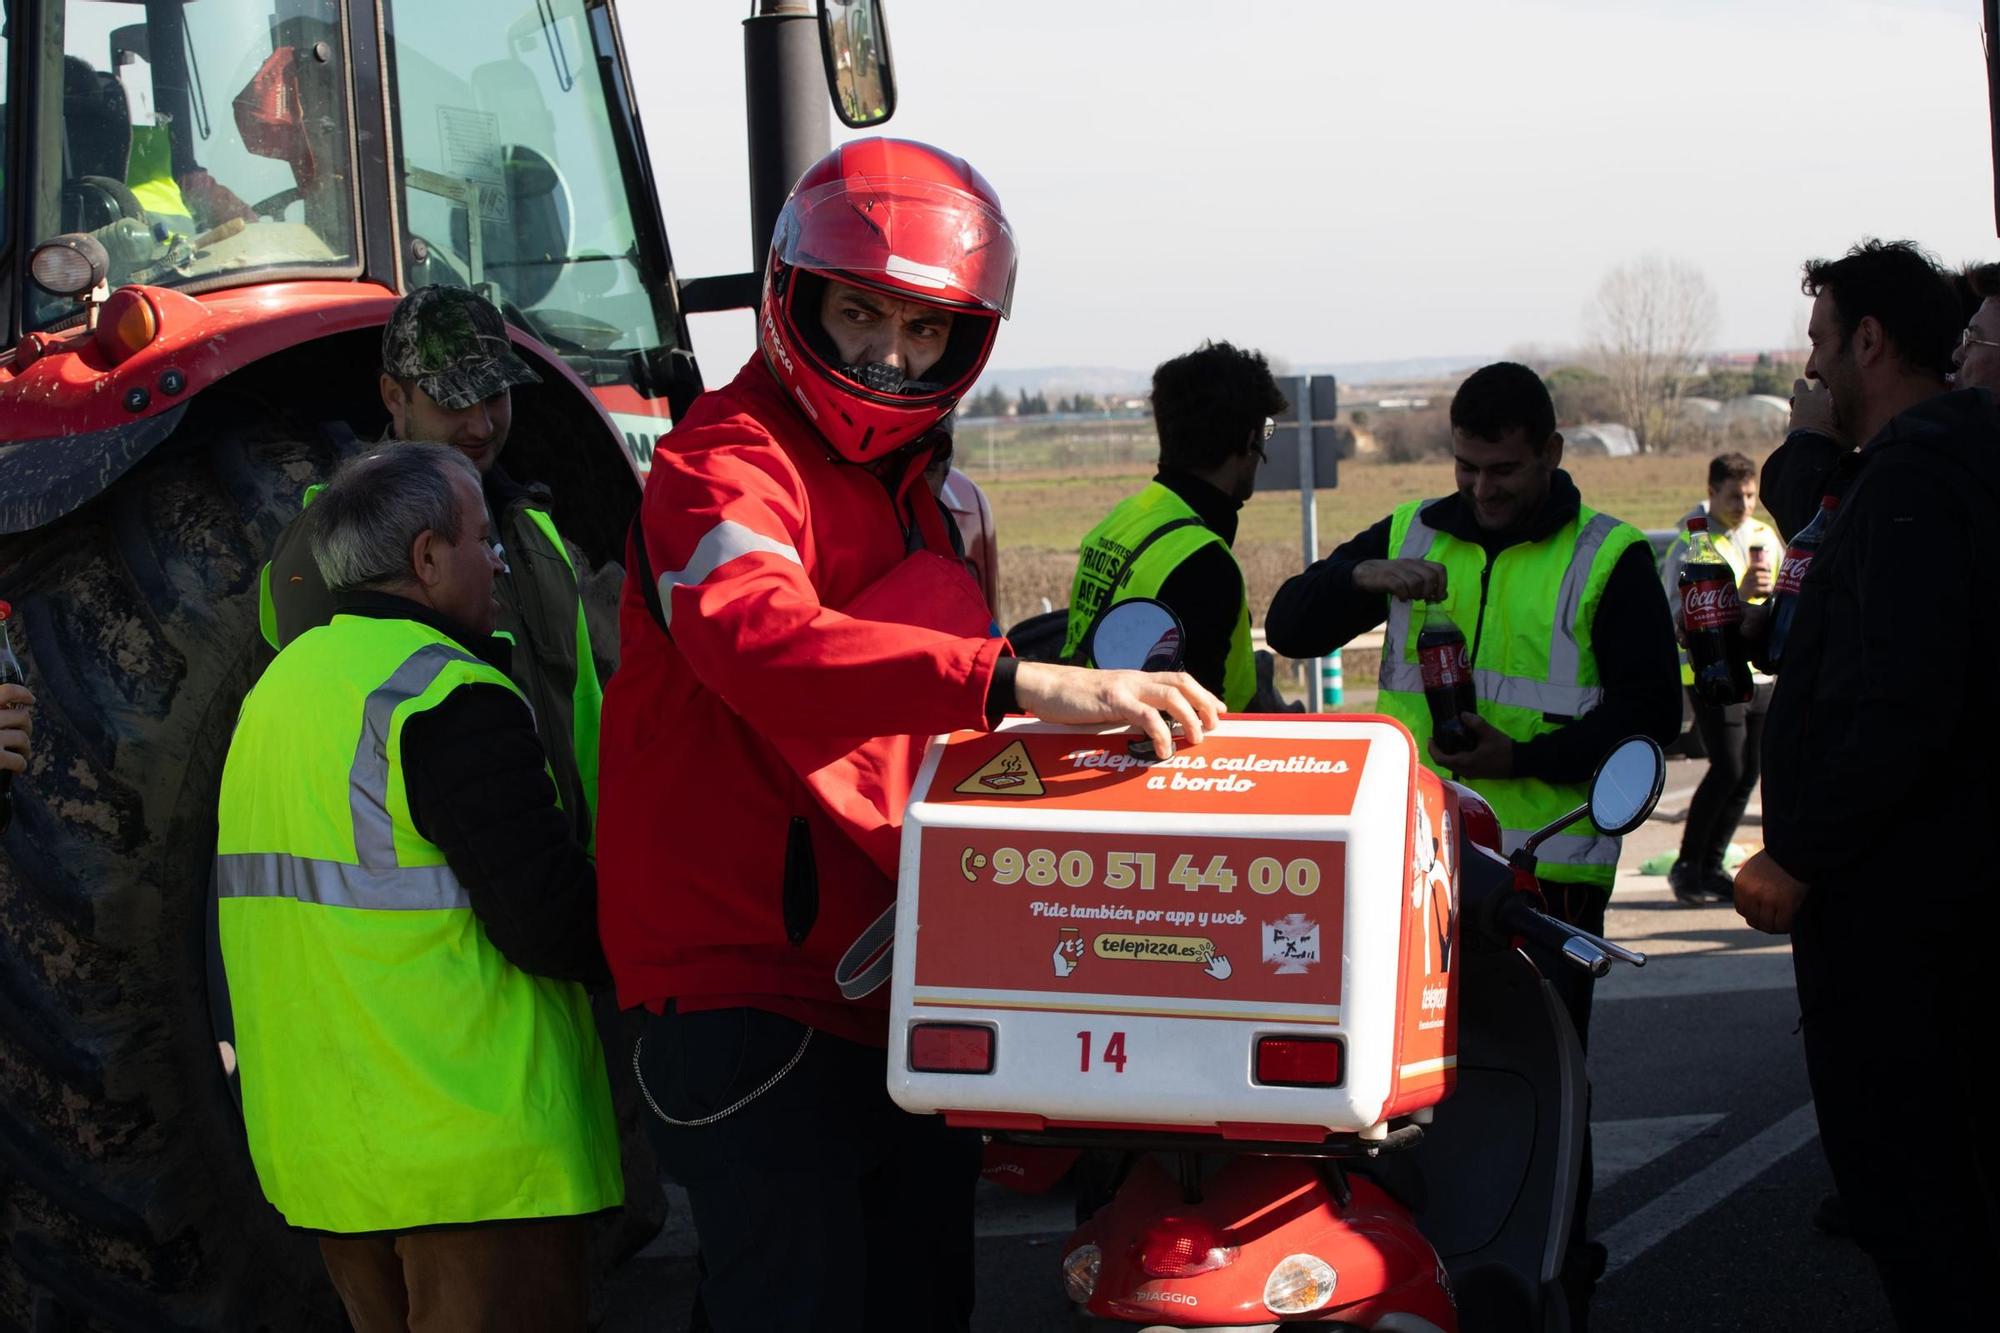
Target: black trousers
x,y
1732,736
820,1205
1894,1005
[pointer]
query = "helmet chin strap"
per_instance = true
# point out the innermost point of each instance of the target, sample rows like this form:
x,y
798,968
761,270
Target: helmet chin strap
x,y
881,377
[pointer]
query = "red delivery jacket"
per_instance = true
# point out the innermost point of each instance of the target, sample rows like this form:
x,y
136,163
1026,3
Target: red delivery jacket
x,y
819,631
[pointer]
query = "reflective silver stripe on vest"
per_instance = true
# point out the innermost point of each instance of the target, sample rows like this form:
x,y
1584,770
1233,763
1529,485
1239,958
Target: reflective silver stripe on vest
x,y
717,547
1567,849
1396,634
1514,691
1558,696
1565,653
333,884
368,781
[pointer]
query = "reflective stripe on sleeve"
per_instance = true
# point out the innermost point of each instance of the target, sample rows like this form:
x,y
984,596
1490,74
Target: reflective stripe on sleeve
x,y
717,547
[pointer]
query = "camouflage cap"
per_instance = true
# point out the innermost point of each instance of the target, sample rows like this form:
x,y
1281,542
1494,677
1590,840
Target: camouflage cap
x,y
453,343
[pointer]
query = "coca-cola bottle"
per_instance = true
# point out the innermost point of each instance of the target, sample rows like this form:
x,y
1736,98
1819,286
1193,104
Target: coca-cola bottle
x,y
1447,680
1712,621
1785,599
10,674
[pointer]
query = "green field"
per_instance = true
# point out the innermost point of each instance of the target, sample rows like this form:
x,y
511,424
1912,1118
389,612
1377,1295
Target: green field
x,y
1043,503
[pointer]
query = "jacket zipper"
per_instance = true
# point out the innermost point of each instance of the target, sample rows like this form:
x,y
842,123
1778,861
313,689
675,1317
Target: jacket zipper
x,y
1479,622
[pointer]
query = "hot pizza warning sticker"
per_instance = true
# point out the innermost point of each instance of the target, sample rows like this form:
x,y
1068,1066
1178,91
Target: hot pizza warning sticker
x,y
1008,773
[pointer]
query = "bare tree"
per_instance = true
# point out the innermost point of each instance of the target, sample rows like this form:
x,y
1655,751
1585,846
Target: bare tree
x,y
1651,322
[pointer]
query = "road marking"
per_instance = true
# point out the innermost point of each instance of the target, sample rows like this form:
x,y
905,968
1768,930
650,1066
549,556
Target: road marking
x,y
1652,1223
1619,1147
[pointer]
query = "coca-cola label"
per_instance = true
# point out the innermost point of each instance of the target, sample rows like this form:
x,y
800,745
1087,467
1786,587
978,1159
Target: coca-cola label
x,y
1444,664
1711,604
1793,572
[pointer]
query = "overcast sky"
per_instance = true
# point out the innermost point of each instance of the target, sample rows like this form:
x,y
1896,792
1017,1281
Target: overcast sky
x,y
1344,181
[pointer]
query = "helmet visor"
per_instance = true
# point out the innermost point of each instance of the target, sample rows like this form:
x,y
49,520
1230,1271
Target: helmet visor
x,y
935,243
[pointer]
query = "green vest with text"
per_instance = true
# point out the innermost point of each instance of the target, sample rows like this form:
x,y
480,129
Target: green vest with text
x,y
1108,546
397,1071
1527,623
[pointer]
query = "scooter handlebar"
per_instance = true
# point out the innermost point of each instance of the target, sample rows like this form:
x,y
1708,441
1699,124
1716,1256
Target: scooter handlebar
x,y
1593,953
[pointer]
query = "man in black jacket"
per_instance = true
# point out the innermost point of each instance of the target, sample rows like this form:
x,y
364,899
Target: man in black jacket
x,y
1871,786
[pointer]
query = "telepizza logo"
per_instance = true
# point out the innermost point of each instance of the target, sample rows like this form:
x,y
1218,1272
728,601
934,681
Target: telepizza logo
x,y
1008,773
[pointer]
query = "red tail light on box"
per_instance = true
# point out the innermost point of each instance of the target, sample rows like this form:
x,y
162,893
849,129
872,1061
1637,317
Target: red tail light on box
x,y
951,1048
1299,1062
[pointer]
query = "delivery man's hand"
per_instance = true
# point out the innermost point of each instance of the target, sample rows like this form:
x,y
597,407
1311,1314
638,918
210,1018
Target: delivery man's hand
x,y
1412,580
1138,698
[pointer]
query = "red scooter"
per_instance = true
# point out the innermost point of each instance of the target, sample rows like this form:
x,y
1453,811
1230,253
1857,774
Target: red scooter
x,y
1401,1157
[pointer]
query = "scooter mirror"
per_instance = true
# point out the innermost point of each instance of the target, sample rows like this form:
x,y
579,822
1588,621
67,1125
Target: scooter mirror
x,y
1138,634
1627,786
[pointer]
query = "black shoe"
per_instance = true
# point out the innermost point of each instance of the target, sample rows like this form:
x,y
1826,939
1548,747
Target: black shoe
x,y
1719,884
1829,1218
1686,882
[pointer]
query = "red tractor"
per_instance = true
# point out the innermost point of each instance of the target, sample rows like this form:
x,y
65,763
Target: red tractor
x,y
208,209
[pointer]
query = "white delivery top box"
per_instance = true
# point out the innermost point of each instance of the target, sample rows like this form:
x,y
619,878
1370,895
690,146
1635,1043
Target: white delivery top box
x,y
1128,929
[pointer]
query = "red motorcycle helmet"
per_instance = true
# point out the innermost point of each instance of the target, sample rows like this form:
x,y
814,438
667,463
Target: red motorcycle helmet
x,y
915,224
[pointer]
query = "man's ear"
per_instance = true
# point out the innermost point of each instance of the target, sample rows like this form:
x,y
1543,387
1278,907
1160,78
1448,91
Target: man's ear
x,y
426,559
393,401
1869,343
1552,452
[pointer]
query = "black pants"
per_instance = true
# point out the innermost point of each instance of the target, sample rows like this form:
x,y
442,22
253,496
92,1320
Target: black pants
x,y
1732,735
820,1205
1895,1009
1580,905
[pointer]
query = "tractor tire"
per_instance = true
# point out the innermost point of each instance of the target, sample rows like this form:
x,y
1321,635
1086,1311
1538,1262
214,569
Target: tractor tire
x,y
127,1199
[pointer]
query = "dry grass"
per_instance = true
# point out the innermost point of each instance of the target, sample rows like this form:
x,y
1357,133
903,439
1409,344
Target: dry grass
x,y
1043,514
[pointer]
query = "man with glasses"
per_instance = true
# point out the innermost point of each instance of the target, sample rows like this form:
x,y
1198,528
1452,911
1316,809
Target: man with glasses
x,y
1570,643
1976,363
1173,540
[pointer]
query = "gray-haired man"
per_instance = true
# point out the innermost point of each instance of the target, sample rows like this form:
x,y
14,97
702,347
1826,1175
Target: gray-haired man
x,y
403,911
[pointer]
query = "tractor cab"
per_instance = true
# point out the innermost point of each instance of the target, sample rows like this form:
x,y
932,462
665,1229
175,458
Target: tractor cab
x,y
208,146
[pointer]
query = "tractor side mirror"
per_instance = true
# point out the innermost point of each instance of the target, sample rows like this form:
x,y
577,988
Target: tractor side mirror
x,y
854,39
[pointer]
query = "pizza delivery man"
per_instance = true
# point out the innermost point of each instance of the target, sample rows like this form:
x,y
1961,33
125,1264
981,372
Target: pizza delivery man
x,y
793,628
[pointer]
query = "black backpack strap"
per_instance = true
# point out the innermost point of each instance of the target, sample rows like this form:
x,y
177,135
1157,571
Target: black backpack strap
x,y
1125,572
642,565
1172,525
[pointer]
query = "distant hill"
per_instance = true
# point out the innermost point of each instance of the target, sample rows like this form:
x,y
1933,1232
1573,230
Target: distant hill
x,y
1063,381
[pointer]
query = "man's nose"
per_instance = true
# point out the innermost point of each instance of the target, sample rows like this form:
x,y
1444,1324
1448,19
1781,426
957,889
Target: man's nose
x,y
478,422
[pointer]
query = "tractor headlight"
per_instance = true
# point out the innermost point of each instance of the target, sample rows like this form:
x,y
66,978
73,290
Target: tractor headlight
x,y
69,265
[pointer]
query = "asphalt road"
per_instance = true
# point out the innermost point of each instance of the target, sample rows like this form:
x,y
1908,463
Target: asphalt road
x,y
1708,1161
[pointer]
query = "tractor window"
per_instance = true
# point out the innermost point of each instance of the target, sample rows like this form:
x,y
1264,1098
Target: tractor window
x,y
512,182
199,141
